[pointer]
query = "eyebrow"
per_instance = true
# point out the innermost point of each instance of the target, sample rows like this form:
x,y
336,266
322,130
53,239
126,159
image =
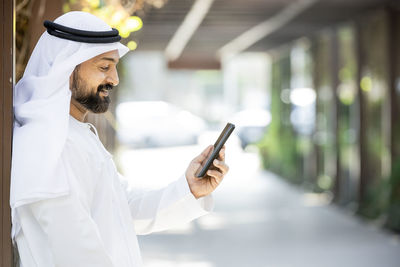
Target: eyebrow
x,y
109,59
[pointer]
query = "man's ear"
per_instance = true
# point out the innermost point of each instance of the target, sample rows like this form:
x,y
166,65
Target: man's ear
x,y
70,80
71,77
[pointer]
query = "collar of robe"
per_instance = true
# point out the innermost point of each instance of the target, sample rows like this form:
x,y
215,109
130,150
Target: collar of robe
x,y
83,36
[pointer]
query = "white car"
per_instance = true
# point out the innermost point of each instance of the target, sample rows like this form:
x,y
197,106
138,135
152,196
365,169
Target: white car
x,y
156,124
251,125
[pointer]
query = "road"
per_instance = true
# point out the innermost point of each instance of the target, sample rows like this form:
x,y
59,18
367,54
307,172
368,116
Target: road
x,y
258,220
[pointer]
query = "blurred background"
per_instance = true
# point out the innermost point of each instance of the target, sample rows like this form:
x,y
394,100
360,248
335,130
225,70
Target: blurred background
x,y
313,87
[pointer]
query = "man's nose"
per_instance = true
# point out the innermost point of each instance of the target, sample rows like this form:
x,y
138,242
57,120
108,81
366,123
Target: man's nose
x,y
112,77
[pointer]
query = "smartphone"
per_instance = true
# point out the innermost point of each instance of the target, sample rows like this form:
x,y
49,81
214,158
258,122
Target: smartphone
x,y
217,147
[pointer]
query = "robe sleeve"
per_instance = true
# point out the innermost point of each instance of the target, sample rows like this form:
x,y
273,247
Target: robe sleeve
x,y
161,209
72,234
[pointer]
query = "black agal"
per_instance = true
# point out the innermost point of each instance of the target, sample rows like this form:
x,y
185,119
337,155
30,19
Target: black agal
x,y
72,34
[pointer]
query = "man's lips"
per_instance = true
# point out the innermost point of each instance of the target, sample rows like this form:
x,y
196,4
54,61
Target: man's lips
x,y
104,92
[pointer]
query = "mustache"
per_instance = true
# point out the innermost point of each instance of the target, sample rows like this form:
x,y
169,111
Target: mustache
x,y
104,87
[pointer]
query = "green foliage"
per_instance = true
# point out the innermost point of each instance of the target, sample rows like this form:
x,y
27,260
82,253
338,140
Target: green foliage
x,y
383,199
376,200
278,148
279,153
393,219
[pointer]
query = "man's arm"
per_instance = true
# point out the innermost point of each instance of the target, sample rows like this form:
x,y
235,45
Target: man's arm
x,y
159,210
73,236
181,201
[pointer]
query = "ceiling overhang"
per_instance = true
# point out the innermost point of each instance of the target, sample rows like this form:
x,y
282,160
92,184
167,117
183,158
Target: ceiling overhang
x,y
223,27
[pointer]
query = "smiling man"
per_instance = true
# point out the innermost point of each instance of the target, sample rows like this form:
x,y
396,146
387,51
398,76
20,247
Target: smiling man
x,y
93,94
70,207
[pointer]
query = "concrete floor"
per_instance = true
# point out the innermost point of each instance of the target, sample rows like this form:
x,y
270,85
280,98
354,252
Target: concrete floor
x,y
260,220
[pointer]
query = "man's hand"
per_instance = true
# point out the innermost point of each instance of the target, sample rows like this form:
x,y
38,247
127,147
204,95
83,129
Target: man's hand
x,y
201,187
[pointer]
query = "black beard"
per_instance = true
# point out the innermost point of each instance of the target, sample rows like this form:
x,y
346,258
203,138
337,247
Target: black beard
x,y
94,102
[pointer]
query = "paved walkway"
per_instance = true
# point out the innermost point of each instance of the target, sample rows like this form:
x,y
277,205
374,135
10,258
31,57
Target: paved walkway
x,y
260,220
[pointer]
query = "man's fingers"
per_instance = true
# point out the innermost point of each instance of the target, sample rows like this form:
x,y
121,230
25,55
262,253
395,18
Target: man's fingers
x,y
221,155
200,158
221,165
216,175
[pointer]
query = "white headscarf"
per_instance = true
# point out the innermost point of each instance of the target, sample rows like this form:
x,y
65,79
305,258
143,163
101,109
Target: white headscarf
x,y
41,110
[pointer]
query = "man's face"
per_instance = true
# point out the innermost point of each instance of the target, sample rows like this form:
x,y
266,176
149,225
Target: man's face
x,y
92,80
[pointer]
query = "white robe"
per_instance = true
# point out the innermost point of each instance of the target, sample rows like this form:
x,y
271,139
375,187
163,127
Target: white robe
x,y
97,223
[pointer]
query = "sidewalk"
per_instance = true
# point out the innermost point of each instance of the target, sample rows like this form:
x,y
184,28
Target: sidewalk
x,y
260,220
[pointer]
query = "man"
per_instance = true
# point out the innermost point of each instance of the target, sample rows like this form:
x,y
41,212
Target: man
x,y
70,207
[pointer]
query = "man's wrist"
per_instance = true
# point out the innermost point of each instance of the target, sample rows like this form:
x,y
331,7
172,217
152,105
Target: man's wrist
x,y
192,186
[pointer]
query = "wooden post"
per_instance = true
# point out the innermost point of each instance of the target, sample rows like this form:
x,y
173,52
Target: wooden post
x,y
334,68
316,70
7,30
364,173
394,72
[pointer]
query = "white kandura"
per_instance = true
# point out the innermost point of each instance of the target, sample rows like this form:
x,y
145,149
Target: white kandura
x,y
97,222
69,205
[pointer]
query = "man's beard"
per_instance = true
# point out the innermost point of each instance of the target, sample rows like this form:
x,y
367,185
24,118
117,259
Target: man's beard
x,y
91,101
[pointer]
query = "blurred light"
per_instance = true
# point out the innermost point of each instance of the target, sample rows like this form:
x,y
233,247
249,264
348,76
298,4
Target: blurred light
x,y
302,96
93,3
116,18
366,84
134,23
123,31
285,96
66,8
324,182
104,13
252,117
346,94
86,9
111,12
132,45
303,119
316,200
158,3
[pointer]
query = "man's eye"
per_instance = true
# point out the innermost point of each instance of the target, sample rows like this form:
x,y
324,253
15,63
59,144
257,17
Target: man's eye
x,y
104,68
